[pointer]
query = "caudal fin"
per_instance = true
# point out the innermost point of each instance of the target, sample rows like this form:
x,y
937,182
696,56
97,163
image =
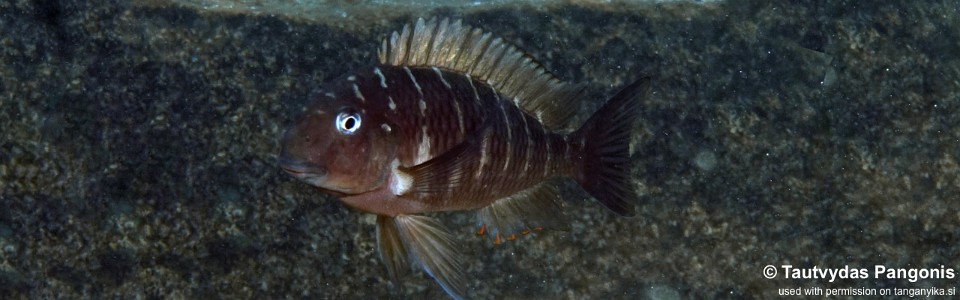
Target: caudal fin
x,y
606,157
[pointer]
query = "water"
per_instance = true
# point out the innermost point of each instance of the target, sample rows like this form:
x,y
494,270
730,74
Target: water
x,y
137,156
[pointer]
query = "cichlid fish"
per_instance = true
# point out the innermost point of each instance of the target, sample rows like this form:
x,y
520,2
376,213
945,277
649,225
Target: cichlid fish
x,y
452,118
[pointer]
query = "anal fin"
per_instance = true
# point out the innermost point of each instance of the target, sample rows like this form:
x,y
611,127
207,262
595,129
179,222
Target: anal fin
x,y
530,210
426,243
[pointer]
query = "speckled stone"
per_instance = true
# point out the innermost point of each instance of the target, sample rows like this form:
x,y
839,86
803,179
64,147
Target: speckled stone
x,y
138,143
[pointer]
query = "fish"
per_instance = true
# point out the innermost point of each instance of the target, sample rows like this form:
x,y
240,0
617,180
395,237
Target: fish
x,y
452,118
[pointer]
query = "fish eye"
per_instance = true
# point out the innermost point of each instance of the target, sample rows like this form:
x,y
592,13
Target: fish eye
x,y
348,122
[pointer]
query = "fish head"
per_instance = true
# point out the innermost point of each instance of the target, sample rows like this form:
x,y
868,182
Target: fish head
x,y
336,145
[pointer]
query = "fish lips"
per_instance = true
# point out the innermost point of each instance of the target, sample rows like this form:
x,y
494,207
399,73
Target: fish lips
x,y
313,175
307,172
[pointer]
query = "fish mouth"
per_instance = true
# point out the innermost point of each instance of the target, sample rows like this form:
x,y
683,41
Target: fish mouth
x,y
311,174
305,171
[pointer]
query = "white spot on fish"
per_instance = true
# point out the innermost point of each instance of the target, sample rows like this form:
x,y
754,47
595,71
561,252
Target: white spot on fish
x,y
400,182
356,92
476,95
484,153
393,105
506,124
414,80
526,160
352,78
423,149
440,75
383,79
456,105
423,107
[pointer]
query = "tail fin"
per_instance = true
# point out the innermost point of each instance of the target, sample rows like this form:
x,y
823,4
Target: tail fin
x,y
606,157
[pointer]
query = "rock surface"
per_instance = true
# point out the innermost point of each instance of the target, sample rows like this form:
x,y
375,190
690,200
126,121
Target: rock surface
x,y
138,144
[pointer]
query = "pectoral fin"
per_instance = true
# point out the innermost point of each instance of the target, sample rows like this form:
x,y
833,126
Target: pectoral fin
x,y
452,169
442,173
427,244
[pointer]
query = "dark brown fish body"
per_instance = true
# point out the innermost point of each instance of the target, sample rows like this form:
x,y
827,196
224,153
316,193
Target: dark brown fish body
x,y
429,112
454,120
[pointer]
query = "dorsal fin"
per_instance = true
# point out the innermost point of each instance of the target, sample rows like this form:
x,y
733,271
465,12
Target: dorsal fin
x,y
468,50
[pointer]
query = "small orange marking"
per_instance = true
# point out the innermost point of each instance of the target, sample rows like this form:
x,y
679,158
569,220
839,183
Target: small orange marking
x,y
483,229
537,228
525,232
512,237
496,240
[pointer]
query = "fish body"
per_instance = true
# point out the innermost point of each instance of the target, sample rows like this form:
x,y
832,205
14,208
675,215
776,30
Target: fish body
x,y
424,113
453,119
